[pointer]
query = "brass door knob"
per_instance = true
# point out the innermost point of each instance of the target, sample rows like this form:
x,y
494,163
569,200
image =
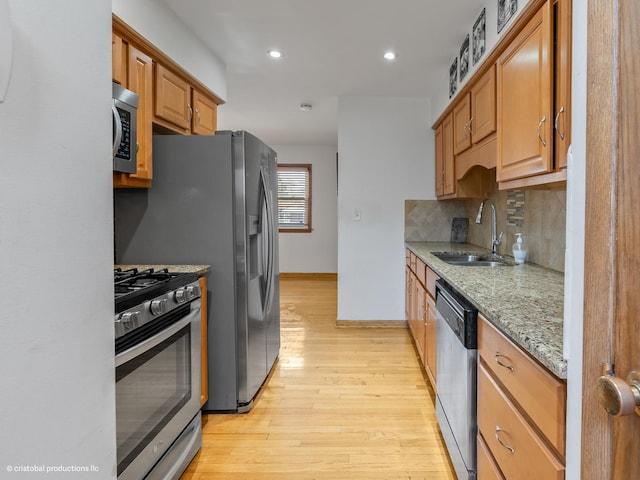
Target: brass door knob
x,y
618,397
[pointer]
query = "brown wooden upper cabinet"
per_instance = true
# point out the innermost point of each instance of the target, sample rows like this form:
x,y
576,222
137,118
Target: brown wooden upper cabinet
x,y
118,68
525,101
514,114
562,119
445,178
181,107
474,116
133,69
533,80
168,97
205,118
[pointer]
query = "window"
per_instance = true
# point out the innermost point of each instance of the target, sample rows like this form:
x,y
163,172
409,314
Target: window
x,y
294,198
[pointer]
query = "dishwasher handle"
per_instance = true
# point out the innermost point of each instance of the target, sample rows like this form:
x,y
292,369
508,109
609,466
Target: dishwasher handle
x,y
458,313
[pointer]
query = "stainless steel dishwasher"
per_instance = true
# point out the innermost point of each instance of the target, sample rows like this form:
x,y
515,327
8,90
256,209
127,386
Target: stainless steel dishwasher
x,y
456,374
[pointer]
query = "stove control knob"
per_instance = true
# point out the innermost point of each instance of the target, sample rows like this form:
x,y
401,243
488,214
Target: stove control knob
x,y
129,320
194,290
181,296
159,307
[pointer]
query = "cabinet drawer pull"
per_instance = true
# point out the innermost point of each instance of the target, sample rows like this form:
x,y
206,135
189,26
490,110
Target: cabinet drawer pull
x,y
555,123
544,119
508,447
498,358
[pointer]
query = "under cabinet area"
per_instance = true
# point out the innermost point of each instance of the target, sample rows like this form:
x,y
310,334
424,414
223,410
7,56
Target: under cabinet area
x,y
420,311
521,412
169,99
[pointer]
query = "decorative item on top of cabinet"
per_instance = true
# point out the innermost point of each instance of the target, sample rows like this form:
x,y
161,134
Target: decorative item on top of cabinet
x,y
526,96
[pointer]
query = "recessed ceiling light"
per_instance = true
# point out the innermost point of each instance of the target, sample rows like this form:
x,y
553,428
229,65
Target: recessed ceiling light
x,y
275,54
390,55
305,107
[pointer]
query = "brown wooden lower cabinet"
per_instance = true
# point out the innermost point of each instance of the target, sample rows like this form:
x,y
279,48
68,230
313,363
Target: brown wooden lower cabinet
x,y
487,468
430,341
204,385
520,453
537,392
420,311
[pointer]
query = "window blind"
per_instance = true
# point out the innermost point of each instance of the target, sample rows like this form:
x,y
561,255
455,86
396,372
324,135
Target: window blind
x,y
294,198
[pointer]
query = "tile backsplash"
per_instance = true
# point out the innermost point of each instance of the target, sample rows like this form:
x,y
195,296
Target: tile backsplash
x,y
430,220
540,215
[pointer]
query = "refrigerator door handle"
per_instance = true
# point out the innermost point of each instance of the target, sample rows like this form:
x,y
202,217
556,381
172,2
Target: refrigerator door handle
x,y
269,223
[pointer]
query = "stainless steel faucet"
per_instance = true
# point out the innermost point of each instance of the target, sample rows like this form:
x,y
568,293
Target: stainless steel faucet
x,y
496,240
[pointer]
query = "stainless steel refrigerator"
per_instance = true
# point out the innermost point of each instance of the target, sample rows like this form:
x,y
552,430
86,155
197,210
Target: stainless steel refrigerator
x,y
214,201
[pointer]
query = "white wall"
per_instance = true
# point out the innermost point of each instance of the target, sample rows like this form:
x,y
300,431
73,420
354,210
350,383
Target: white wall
x,y
574,278
386,156
57,406
440,99
315,252
158,24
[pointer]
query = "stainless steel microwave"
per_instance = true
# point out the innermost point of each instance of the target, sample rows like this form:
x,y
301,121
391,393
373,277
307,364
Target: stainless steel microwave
x,y
125,120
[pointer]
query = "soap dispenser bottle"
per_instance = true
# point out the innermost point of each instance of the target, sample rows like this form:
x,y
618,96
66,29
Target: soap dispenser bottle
x,y
519,250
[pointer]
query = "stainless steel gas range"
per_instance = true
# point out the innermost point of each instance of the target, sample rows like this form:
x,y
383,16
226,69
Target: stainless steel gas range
x,y
157,347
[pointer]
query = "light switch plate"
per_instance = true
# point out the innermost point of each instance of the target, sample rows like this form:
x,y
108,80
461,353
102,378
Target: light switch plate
x,y
6,48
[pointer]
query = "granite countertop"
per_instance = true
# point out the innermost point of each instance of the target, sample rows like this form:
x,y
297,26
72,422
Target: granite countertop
x,y
199,270
525,302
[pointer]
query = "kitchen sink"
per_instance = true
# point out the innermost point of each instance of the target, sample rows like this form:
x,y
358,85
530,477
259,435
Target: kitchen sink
x,y
473,259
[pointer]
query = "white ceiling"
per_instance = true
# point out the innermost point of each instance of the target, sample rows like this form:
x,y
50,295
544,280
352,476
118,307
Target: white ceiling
x,y
332,48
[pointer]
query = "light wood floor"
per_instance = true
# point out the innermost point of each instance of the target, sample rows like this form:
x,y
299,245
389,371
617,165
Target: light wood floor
x,y
341,403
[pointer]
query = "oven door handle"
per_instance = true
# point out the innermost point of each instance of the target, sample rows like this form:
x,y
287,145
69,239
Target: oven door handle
x,y
160,337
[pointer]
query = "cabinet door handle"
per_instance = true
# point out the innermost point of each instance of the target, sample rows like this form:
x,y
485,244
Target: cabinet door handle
x,y
555,123
197,117
498,358
190,112
508,447
544,119
469,126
